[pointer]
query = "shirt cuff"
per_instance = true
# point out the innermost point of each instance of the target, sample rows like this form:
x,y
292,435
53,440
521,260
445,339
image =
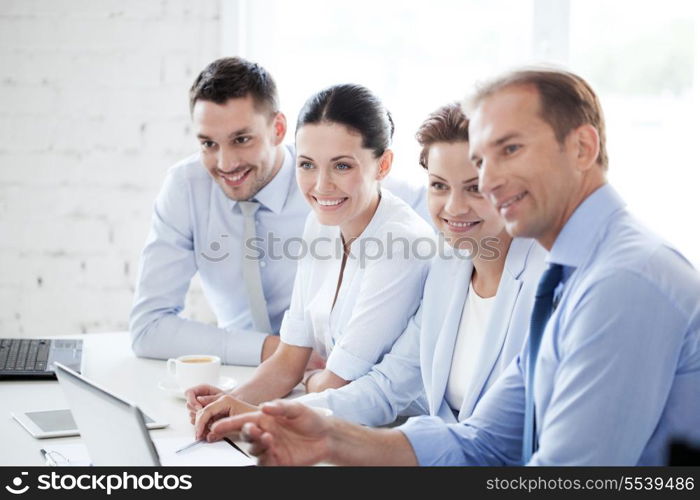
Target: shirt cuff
x,y
432,441
293,332
346,365
244,347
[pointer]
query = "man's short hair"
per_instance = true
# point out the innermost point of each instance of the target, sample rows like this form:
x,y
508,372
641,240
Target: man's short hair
x,y
566,101
234,77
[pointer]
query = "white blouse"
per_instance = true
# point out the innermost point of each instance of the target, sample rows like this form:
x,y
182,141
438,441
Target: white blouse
x,y
471,336
380,291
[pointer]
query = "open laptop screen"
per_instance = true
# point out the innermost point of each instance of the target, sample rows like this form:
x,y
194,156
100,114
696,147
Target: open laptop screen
x,y
106,422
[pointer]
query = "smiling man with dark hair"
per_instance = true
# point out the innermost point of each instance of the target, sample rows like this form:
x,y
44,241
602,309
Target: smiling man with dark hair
x,y
198,225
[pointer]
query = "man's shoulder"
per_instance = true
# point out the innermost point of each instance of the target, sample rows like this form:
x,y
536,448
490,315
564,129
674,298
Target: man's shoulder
x,y
627,244
189,169
628,248
187,177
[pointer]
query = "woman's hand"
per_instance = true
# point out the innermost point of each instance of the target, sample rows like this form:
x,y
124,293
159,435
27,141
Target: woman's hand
x,y
200,396
223,407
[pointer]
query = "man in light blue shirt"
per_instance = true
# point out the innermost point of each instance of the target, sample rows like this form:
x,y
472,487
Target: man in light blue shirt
x,y
198,225
617,372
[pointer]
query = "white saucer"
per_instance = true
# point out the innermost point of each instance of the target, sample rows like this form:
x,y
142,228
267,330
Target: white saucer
x,y
170,386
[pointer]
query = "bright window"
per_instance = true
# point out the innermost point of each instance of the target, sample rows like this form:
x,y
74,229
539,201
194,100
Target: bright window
x,y
642,58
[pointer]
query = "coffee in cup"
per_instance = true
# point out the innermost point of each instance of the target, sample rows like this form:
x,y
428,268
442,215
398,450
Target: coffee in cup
x,y
194,369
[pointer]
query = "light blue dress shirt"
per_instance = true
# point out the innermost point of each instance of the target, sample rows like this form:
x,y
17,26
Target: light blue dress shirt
x,y
618,372
197,228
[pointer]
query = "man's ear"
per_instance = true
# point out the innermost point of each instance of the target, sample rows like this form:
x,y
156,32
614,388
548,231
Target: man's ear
x,y
280,126
587,146
385,162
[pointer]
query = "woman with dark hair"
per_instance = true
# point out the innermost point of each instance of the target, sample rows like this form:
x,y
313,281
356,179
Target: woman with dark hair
x,y
361,277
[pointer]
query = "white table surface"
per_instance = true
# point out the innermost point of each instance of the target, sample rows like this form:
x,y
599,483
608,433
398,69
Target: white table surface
x,y
109,361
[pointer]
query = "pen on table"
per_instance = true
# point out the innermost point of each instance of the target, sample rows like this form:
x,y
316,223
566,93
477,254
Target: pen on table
x,y
232,443
47,457
193,443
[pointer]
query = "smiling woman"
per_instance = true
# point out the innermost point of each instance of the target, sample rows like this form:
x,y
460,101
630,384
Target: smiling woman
x,y
337,183
343,136
348,307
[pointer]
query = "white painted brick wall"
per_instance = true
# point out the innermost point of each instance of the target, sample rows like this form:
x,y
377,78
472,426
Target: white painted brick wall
x,y
93,110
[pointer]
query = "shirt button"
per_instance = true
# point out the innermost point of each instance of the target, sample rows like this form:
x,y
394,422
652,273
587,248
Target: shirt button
x,y
263,263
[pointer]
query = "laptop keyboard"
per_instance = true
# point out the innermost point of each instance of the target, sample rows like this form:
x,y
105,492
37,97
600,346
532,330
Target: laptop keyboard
x,y
24,354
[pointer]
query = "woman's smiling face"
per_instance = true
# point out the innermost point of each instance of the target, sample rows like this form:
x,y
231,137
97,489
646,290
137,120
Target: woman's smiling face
x,y
338,176
455,204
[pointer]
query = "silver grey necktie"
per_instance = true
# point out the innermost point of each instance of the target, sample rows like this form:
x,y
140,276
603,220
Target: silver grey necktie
x,y
251,269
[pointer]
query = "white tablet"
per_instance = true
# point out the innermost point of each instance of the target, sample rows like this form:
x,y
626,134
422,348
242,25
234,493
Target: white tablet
x,y
60,423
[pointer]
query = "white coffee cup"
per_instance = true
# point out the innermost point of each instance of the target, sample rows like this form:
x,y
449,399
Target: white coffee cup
x,y
195,369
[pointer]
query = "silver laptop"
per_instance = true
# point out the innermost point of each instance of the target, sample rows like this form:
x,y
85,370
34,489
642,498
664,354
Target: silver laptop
x,y
106,422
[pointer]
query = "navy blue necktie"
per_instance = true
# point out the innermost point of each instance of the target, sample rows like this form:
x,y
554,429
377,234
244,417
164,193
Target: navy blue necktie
x,y
542,310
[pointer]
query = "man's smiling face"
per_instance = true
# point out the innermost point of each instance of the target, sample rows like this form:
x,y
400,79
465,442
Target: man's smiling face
x,y
239,144
529,176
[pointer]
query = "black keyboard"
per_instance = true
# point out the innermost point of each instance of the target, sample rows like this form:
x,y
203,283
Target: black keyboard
x,y
24,354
